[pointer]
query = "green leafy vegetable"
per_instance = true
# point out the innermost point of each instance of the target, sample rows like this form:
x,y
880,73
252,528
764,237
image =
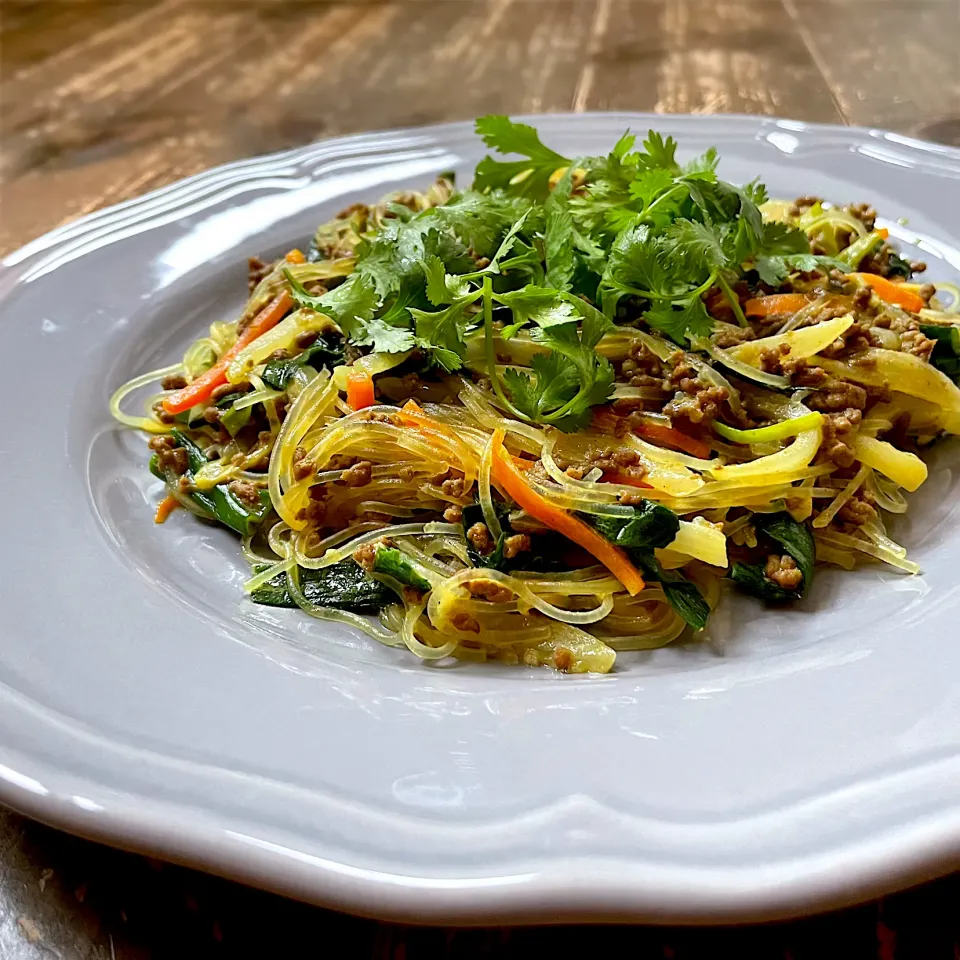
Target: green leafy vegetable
x,y
683,595
343,586
390,562
651,526
566,382
796,540
219,502
326,351
946,350
350,305
529,177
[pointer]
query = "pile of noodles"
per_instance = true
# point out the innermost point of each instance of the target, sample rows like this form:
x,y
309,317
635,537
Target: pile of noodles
x,y
585,615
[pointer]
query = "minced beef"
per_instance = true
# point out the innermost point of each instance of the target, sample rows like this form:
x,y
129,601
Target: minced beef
x,y
836,395
838,430
479,536
783,571
858,510
358,475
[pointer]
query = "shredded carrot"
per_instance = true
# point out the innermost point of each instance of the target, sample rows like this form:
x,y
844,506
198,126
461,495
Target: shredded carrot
x,y
673,438
507,477
776,303
522,464
891,292
295,256
207,382
166,506
360,392
883,231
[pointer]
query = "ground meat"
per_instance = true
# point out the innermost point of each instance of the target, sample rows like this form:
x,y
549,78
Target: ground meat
x,y
479,537
173,382
281,354
838,395
256,271
631,499
358,475
802,374
361,209
466,623
731,336
783,572
453,514
305,339
453,488
858,510
161,443
515,544
926,292
917,343
225,389
489,590
246,491
314,512
162,414
643,367
302,468
366,556
864,212
838,431
854,339
212,414
771,358
693,399
701,406
173,458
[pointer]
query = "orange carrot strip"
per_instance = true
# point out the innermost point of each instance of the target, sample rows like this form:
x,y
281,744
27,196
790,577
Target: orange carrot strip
x,y
892,292
776,303
673,438
166,506
511,481
295,256
207,382
360,392
883,231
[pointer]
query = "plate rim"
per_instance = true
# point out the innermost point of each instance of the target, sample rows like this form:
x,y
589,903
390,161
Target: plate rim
x,y
140,824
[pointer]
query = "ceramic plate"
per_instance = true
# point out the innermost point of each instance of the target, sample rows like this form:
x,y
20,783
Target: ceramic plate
x,y
800,759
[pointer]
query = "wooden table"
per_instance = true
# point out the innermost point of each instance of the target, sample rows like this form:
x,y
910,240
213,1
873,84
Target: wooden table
x,y
101,100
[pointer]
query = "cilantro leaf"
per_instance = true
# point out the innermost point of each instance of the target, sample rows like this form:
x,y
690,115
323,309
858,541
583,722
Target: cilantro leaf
x,y
479,221
680,319
529,177
660,153
558,234
442,331
383,337
532,302
350,305
442,287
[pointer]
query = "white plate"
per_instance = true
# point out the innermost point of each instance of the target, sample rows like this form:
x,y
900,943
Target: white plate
x,y
804,759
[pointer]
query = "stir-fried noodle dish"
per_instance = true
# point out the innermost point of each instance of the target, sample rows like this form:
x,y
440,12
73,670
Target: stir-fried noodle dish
x,y
543,419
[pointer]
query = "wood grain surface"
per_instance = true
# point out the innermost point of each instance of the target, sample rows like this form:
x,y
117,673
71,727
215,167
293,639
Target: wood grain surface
x,y
101,100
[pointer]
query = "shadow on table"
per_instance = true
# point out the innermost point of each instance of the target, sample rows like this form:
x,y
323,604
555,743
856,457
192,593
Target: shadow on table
x,y
75,900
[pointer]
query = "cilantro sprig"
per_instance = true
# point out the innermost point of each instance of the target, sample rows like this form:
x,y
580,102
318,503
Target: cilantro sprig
x,y
557,250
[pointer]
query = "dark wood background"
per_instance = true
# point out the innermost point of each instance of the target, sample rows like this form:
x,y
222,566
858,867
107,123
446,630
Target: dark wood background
x,y
101,100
